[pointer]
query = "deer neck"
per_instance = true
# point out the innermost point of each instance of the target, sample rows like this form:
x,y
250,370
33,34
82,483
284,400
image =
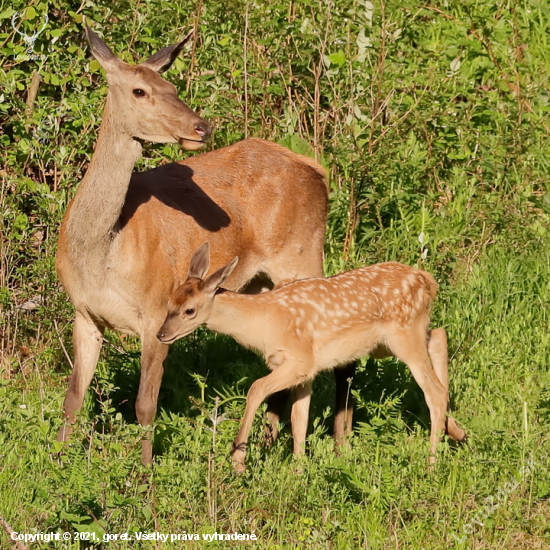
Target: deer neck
x,y
94,213
238,315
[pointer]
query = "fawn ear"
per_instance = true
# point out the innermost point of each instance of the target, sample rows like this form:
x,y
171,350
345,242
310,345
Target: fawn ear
x,y
219,277
107,59
200,262
163,59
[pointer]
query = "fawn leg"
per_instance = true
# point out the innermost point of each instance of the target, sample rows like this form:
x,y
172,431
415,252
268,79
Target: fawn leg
x,y
285,376
410,347
300,415
275,406
437,349
344,403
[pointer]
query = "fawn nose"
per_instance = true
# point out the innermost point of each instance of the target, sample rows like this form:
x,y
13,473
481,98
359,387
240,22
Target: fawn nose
x,y
161,334
203,129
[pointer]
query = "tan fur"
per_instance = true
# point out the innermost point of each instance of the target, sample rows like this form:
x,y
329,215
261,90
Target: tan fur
x,y
127,237
308,326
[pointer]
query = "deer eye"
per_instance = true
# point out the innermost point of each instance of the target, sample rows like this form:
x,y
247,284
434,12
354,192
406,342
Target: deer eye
x,y
138,92
189,311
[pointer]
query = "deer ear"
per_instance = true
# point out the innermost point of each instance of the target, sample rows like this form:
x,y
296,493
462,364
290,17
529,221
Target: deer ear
x,y
219,277
200,262
107,59
163,59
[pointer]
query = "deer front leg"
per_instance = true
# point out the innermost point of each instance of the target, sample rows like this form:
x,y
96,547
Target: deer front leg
x,y
87,340
344,403
153,354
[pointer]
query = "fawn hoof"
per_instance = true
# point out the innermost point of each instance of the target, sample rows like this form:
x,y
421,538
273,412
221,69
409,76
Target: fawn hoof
x,y
146,452
270,435
454,432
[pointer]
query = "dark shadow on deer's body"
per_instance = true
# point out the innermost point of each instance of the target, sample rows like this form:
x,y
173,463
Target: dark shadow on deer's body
x,y
175,187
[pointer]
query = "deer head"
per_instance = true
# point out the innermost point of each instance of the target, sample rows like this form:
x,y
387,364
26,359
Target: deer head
x,y
145,105
191,304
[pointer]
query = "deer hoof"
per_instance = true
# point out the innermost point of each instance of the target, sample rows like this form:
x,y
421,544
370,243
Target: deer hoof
x,y
454,432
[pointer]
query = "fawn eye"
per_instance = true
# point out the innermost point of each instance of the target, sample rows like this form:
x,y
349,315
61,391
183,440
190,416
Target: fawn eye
x,y
189,311
138,92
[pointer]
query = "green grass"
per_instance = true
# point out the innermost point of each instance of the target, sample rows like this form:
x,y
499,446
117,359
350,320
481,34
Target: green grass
x,y
377,494
433,125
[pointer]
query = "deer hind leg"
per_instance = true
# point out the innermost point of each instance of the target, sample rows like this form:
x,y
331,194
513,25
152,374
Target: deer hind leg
x,y
87,340
437,349
153,354
300,414
410,347
344,403
287,375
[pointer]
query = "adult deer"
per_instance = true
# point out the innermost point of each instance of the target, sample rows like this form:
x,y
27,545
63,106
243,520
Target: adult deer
x,y
311,325
127,238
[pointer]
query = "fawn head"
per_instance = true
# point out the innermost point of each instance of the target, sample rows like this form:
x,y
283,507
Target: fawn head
x,y
191,304
145,105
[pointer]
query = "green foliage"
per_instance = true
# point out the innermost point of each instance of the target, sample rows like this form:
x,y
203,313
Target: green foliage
x,y
432,122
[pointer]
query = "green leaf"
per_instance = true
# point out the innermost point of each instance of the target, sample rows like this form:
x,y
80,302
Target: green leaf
x,y
7,13
338,58
146,511
31,13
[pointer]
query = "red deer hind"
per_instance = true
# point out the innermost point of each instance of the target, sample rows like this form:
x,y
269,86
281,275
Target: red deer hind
x,y
127,238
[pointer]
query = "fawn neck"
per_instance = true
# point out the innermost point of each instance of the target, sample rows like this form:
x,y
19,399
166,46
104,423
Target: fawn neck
x,y
239,316
100,197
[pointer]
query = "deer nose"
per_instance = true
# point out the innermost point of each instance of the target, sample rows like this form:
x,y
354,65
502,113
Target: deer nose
x,y
161,334
203,129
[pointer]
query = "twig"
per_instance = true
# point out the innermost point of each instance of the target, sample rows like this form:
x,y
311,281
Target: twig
x,y
405,115
245,67
9,530
194,49
317,69
62,345
33,90
133,36
380,75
